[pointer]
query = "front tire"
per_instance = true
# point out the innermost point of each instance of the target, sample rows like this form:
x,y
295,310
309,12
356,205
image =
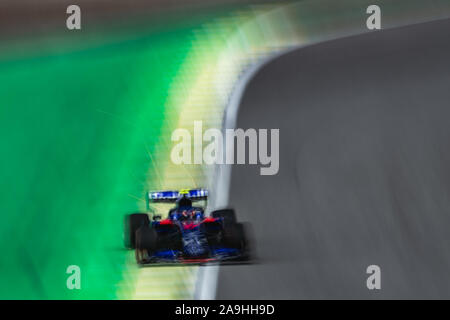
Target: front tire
x,y
234,236
146,239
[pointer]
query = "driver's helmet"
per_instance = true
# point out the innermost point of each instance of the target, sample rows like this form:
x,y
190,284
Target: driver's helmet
x,y
184,203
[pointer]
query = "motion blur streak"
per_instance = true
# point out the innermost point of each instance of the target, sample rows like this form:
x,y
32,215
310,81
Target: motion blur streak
x,y
85,129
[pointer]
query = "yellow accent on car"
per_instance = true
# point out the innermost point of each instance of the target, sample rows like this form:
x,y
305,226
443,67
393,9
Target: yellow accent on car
x,y
184,191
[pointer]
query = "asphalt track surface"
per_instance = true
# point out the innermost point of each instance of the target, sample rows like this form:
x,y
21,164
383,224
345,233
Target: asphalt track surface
x,y
364,170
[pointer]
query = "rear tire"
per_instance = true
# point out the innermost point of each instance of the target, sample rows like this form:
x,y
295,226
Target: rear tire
x,y
132,223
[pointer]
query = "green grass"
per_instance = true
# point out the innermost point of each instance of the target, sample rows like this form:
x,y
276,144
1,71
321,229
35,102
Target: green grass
x,y
76,130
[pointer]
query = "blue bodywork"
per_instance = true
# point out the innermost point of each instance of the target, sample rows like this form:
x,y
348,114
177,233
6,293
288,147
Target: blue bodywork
x,y
186,235
195,244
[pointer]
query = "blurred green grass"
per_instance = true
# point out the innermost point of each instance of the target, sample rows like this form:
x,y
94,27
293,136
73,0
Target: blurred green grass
x,y
76,130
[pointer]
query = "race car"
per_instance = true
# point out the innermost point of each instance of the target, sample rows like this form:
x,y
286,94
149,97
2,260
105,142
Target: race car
x,y
186,235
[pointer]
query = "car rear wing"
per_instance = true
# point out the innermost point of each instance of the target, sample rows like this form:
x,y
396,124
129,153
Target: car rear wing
x,y
172,196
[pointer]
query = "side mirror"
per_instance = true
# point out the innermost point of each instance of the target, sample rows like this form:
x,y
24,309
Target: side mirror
x,y
157,217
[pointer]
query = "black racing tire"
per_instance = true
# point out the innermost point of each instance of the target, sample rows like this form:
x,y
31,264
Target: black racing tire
x,y
146,243
234,236
132,223
228,215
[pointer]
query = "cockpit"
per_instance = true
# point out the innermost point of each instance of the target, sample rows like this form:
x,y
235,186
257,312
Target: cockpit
x,y
185,211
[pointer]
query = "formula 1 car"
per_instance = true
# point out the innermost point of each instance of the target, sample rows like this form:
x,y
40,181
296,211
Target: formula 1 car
x,y
186,235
